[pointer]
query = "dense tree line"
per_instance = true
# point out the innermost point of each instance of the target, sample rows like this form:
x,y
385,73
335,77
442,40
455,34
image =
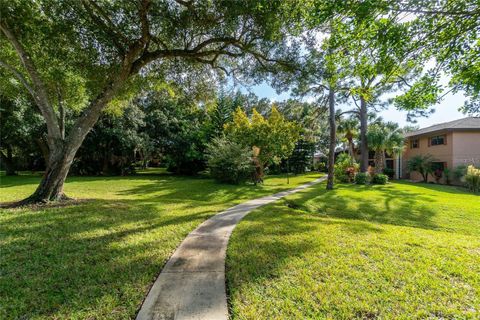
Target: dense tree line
x,y
167,128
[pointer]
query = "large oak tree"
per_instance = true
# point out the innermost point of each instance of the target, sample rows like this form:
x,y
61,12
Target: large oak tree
x,y
89,55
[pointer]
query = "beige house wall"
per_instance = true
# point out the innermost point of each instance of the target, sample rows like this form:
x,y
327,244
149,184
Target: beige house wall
x,y
441,153
462,148
466,148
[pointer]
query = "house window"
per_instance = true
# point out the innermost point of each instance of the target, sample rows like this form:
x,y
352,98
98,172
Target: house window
x,y
438,140
414,144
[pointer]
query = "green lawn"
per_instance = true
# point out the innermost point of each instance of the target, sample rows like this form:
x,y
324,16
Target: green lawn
x,y
400,251
97,259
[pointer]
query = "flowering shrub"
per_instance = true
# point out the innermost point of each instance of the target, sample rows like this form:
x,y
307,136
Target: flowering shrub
x,y
472,178
345,168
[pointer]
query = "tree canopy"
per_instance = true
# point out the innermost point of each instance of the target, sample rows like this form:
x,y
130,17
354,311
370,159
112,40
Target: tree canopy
x,y
85,56
275,137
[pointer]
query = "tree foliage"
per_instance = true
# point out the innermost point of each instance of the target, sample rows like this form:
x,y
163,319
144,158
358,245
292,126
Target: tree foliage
x,y
22,134
422,164
384,138
274,136
229,161
114,145
445,32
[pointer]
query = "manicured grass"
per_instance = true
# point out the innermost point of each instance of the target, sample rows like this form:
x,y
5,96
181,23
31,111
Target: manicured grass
x,y
400,251
97,259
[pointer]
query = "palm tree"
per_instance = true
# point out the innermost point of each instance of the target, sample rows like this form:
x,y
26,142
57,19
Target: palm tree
x,y
348,129
422,164
384,137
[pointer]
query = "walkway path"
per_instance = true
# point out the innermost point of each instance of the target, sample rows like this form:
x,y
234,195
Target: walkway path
x,y
192,283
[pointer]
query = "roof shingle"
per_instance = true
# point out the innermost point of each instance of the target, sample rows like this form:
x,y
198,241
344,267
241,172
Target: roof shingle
x,y
469,123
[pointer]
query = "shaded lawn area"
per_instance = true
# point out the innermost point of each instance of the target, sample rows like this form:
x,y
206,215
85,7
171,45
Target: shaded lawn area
x,y
97,259
400,251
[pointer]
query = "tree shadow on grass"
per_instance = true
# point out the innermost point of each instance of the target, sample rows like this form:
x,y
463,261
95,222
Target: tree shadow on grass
x,y
309,228
20,180
87,261
387,205
203,190
277,230
97,259
275,235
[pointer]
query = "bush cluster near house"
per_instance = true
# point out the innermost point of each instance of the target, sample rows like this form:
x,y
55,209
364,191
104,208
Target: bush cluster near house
x,y
345,168
472,178
468,175
380,178
346,171
362,178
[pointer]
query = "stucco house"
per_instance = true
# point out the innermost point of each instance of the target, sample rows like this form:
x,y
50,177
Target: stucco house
x,y
451,143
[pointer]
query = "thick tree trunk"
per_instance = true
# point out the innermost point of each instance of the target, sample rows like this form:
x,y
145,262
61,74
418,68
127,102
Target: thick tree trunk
x,y
8,162
333,138
62,149
51,186
363,135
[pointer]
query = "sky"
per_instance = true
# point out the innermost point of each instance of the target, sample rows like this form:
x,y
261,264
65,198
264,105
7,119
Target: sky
x,y
446,110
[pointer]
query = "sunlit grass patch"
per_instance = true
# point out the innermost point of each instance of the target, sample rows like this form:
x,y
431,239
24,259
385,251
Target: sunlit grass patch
x,y
399,251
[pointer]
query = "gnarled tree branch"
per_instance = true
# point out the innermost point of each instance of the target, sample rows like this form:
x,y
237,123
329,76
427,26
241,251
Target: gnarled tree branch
x,y
19,76
39,90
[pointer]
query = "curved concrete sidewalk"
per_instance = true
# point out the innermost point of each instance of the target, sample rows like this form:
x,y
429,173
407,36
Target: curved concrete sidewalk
x,y
192,283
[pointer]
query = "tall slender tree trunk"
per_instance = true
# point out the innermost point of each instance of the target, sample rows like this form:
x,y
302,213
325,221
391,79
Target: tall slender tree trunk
x,y
351,149
363,135
333,138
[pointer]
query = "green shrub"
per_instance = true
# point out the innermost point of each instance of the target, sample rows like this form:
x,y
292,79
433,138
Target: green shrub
x,y
472,178
459,172
447,173
320,166
229,161
362,178
389,172
380,179
345,168
421,164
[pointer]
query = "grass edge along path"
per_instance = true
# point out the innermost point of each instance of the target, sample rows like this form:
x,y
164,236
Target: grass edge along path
x,y
192,283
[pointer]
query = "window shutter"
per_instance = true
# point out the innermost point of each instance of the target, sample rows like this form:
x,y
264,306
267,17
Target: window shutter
x,y
445,139
429,142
